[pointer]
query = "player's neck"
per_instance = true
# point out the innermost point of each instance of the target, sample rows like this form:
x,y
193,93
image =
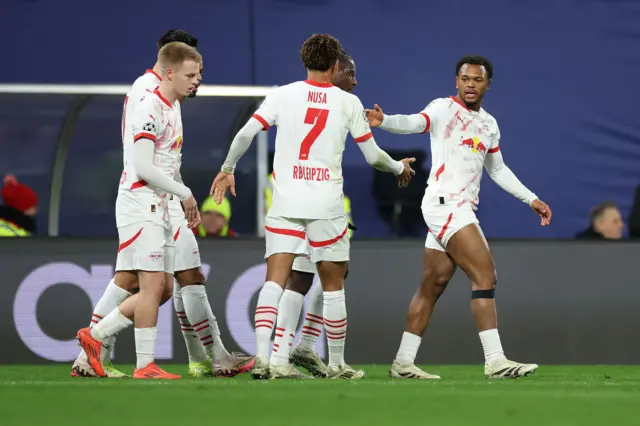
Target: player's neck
x,y
319,76
157,69
165,91
473,107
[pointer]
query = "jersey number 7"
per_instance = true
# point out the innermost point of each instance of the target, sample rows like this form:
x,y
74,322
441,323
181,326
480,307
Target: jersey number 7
x,y
317,117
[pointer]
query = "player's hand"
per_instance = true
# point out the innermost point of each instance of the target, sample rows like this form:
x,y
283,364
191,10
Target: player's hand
x,y
191,212
375,116
220,184
542,209
196,221
405,177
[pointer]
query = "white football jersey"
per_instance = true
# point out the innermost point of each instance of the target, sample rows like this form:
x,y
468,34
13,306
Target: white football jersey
x,y
155,118
460,141
313,120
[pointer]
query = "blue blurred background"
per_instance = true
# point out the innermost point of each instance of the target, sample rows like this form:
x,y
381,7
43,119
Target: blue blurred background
x,y
564,93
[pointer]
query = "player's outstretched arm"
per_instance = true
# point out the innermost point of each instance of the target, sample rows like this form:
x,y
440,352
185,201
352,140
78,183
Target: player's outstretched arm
x,y
239,146
399,123
380,160
241,142
507,180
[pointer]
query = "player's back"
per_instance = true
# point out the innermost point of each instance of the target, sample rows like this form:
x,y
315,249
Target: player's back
x,y
313,120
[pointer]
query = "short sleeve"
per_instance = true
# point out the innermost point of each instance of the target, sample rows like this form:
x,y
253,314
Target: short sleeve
x,y
358,123
267,113
495,142
433,113
145,122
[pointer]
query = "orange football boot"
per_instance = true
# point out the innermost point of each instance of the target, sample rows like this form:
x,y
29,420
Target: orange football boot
x,y
92,348
152,371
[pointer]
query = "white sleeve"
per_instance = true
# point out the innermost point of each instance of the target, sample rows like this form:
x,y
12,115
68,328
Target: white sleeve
x,y
504,177
143,152
378,159
406,124
241,142
267,113
146,126
361,133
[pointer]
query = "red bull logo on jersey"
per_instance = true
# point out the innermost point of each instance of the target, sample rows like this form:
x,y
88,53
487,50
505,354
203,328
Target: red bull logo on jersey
x,y
474,144
177,145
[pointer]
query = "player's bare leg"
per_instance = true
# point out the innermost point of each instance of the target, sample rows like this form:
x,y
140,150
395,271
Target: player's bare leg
x,y
200,318
470,251
121,286
152,288
335,318
438,269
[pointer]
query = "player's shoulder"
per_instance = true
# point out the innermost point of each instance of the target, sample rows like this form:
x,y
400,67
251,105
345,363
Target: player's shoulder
x,y
148,102
144,84
441,103
489,119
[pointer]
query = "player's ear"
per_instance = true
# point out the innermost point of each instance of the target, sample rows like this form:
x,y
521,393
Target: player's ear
x,y
168,73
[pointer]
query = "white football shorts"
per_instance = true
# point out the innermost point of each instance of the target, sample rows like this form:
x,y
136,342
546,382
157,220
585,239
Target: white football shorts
x,y
328,239
145,246
444,220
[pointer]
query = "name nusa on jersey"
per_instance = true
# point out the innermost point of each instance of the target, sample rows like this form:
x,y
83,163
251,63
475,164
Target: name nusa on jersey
x,y
460,141
313,120
154,118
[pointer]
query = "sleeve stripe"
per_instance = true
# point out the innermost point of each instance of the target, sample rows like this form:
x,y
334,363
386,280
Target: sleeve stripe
x,y
143,135
494,150
262,121
428,122
364,138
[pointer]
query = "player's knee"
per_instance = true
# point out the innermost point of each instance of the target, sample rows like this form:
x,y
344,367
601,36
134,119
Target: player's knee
x,y
486,281
127,281
437,278
300,282
190,277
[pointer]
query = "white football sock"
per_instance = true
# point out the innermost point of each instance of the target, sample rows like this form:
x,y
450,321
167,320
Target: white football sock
x,y
219,351
145,345
335,324
313,321
409,346
266,315
192,341
491,344
195,302
112,297
288,316
111,325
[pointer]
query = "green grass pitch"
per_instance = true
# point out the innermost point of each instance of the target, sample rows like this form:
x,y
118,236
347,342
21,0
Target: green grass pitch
x,y
556,395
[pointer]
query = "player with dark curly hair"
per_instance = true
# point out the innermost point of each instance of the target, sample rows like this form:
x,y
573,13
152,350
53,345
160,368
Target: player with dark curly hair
x,y
307,211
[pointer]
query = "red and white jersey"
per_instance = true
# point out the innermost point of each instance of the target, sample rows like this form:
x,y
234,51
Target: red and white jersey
x,y
149,117
460,141
313,120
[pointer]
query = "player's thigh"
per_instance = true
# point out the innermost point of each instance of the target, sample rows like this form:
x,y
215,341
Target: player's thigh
x,y
469,249
142,248
437,267
187,265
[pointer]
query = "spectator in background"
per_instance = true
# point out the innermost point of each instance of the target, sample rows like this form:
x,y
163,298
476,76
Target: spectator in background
x,y
606,223
215,219
19,208
634,217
